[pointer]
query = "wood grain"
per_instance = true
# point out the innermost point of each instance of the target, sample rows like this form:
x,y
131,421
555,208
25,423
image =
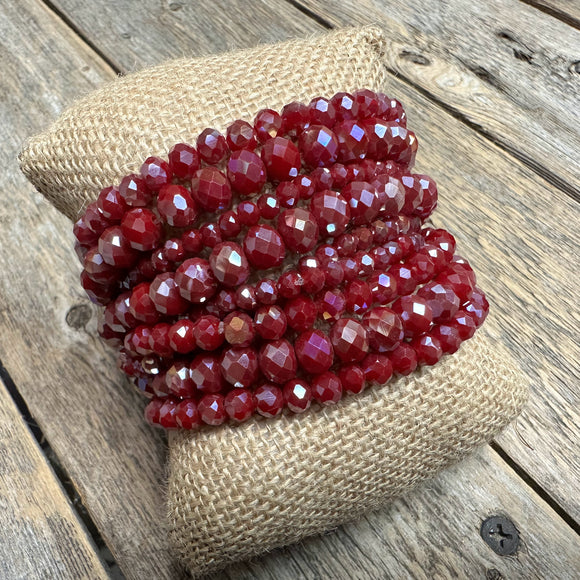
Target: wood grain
x,y
506,68
566,10
433,532
40,534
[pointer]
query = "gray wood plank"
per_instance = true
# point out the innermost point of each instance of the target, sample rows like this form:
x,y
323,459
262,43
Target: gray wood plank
x,y
566,10
40,534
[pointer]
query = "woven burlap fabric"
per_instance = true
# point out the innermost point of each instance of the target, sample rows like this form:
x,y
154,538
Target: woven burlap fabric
x,y
236,491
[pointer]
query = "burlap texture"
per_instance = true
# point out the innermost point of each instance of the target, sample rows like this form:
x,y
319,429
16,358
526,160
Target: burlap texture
x,y
236,491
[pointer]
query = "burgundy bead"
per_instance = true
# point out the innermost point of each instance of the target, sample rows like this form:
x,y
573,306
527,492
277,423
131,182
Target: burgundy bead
x,y
422,267
444,303
83,232
282,159
349,339
239,366
305,185
122,312
195,280
392,110
448,337
239,329
267,291
428,196
300,313
269,400
270,322
299,229
439,258
159,340
326,388
478,307
459,280
167,411
97,269
345,106
164,292
403,275
142,229
415,313
241,135
229,224
352,141
212,146
350,268
111,204
295,117
287,194
314,351
363,201
115,248
137,341
184,160
290,284
269,206
152,411
211,189
239,404
246,297
225,301
264,247
358,296
312,274
383,287
331,304
352,378
248,213
141,306
319,146
346,245
192,242
402,144
443,239
210,235
321,112
209,333
205,373
413,193
384,328
377,368
229,264
182,336
95,219
297,395
404,359
156,173
173,250
391,194
333,274
246,172
278,361
464,322
211,409
187,415
366,263
268,124
179,381
134,191
176,206
322,178
331,212
428,349
368,103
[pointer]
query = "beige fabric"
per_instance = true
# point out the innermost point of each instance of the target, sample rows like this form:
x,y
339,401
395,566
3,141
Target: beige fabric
x,y
237,491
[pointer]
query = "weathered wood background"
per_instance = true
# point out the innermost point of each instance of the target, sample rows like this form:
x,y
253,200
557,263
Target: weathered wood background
x,y
493,89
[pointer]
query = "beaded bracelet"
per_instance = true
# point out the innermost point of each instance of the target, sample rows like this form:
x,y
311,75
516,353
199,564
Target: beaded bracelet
x,y
285,263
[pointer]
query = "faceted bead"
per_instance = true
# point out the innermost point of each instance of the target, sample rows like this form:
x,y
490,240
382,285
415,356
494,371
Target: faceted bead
x,y
331,304
278,361
205,373
413,193
209,333
364,236
211,409
246,297
195,280
290,284
229,224
443,301
212,146
428,349
287,194
269,206
152,411
459,281
176,206
478,307
326,388
239,329
392,110
326,253
141,306
264,247
97,269
363,200
187,415
331,212
179,381
321,112
333,274
156,173
268,124
248,213
352,141
415,313
246,172
382,257
173,250
229,264
134,191
267,291
443,239
306,186
322,178
403,275
192,242
167,414
346,245
95,219
350,268
460,264
239,404
159,340
358,296
142,229
83,232
210,235
211,189
122,313
115,249
319,146
345,106
295,117
182,336
299,229
312,273
239,366
225,301
282,159
270,322
297,395
402,144
241,135
184,160
377,368
428,196
368,103
111,204
349,339
314,351
352,378
383,287
438,256
300,313
448,337
366,264
164,293
404,359
422,267
269,400
137,341
158,263
159,385
464,323
384,329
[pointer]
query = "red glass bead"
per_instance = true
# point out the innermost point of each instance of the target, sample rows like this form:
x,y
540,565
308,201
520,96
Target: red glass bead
x,y
392,110
381,257
346,245
152,411
415,313
141,306
111,204
290,284
267,291
167,414
134,191
205,373
211,409
377,368
403,275
173,250
326,253
460,264
95,220
184,160
299,229
182,336
464,323
209,332
287,194
192,241
319,146
83,232
438,256
349,339
352,378
159,340
122,312
269,400
282,159
448,337
156,173
363,201
269,206
331,304
97,269
270,322
402,144
364,236
164,292
333,274
443,301
368,103
159,385
268,124
212,146
248,213
443,239
195,280
229,264
211,189
176,206
295,117
277,361
239,329
312,274
210,235
350,268
246,297
142,229
246,172
422,267
137,341
352,141
241,135
157,264
345,106
358,296
229,224
404,359
264,247
225,301
365,262
115,249
297,395
314,351
326,388
478,306
384,328
331,212
413,193
187,415
383,287
428,349
178,379
300,313
305,185
322,178
321,112
239,366
428,196
239,404
459,280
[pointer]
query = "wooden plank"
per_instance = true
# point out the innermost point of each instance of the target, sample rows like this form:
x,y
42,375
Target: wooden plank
x,y
505,67
40,534
566,10
434,532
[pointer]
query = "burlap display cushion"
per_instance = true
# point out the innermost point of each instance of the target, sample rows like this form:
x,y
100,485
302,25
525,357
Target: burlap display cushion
x,y
236,491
